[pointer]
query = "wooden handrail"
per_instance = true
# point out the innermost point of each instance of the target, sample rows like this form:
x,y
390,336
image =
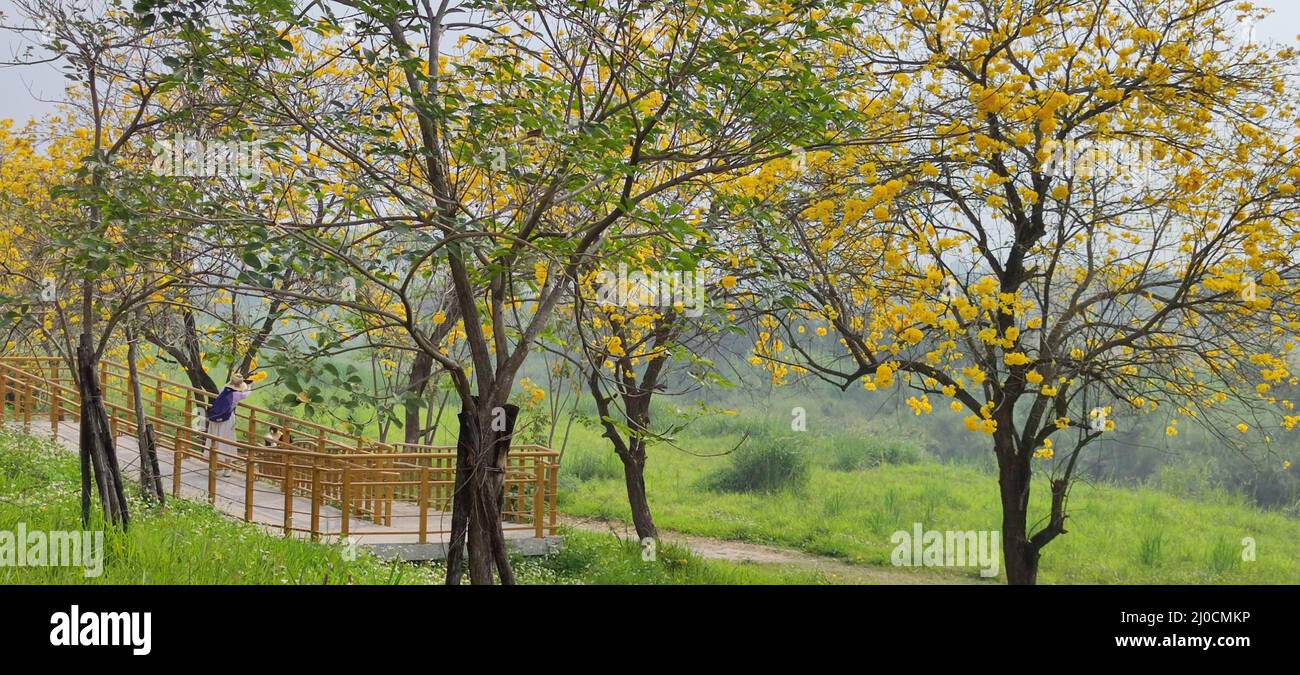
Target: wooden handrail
x,y
382,482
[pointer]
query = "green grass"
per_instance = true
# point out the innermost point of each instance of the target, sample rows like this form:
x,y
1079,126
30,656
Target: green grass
x,y
190,543
1115,534
765,464
597,558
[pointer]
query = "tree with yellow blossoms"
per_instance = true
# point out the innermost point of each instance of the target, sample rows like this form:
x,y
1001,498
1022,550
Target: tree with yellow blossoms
x,y
647,323
507,144
92,243
1054,215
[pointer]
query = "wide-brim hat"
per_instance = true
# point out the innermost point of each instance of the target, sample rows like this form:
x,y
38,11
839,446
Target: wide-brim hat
x,y
237,383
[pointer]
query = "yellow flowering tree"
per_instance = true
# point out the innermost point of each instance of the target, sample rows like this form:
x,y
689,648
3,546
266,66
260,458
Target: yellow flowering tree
x,y
93,239
531,134
1056,214
643,323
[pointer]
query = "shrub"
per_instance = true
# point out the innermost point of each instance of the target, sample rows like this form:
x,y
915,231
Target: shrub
x,y
765,464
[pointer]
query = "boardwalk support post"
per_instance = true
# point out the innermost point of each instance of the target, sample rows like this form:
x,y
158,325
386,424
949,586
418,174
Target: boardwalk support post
x,y
424,505
288,494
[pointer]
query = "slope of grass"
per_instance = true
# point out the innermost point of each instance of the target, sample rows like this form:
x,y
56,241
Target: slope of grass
x,y
190,543
1116,535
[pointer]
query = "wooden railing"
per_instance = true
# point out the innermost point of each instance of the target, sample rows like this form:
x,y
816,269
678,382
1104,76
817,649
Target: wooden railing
x,y
406,489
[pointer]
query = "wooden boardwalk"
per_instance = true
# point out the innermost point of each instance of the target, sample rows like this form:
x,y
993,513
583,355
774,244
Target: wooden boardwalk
x,y
269,505
381,497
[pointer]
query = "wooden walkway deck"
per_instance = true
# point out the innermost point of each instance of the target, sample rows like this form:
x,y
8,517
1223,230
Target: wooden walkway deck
x,y
269,502
382,497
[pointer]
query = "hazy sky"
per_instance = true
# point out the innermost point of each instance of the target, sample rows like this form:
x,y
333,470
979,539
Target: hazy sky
x,y
26,91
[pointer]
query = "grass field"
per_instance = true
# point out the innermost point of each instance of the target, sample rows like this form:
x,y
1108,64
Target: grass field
x,y
856,494
859,484
190,543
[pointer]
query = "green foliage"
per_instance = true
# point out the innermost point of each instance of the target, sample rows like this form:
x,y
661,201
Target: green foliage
x,y
765,464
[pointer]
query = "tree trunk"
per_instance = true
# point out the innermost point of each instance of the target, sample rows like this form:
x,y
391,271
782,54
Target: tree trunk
x,y
97,441
150,485
149,452
634,477
418,380
482,500
501,453
502,439
1020,556
477,500
188,355
460,497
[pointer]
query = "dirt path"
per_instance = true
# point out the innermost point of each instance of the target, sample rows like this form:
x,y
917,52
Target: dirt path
x,y
837,571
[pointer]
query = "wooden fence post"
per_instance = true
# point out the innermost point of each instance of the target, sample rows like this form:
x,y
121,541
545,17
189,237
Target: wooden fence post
x,y
553,470
27,403
288,494
188,423
212,473
315,498
424,505
178,454
346,499
539,495
520,485
250,474
56,404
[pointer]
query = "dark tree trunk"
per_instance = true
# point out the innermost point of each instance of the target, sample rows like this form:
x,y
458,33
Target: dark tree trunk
x,y
149,452
501,453
630,451
421,368
97,442
150,485
502,439
87,468
634,477
460,497
477,500
188,355
1020,555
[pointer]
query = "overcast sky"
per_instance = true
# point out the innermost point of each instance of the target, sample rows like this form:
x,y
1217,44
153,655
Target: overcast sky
x,y
26,91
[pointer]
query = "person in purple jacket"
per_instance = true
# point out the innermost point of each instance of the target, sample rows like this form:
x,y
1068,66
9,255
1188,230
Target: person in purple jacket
x,y
221,416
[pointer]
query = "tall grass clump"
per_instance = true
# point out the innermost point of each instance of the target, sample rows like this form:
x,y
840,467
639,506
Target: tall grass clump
x,y
1222,556
765,464
1151,546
